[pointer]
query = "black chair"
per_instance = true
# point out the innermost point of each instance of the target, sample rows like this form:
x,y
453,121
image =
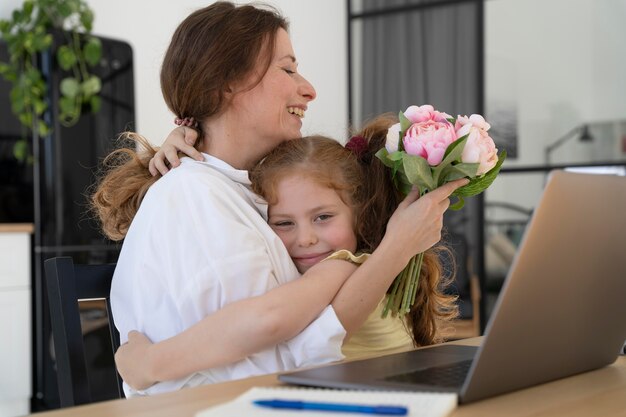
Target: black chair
x,y
66,284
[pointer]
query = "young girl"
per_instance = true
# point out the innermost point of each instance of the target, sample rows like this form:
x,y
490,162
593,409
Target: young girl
x,y
325,202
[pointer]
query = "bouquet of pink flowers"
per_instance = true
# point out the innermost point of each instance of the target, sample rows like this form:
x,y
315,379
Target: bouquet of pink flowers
x,y
427,149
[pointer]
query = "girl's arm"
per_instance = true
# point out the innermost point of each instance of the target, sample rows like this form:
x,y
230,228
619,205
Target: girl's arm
x,y
180,139
234,332
414,227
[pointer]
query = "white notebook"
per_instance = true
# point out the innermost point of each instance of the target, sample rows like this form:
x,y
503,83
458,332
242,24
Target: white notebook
x,y
422,404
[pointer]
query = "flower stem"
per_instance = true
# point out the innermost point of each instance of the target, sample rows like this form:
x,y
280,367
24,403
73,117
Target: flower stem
x,y
406,299
417,273
392,295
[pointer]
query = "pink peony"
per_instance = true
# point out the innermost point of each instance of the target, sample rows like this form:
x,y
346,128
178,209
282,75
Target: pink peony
x,y
393,137
479,147
429,139
418,114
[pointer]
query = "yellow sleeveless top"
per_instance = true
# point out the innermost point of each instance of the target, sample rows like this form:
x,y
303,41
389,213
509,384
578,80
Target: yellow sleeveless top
x,y
376,335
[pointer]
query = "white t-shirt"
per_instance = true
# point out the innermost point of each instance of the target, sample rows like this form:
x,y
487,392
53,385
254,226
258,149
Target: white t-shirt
x,y
198,242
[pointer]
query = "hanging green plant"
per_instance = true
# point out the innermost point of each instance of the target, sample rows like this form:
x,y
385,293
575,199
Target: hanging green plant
x,y
29,32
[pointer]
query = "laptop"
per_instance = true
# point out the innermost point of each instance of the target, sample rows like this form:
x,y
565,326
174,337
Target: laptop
x,y
560,312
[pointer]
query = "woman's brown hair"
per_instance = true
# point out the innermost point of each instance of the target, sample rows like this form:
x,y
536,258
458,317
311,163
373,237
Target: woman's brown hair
x,y
211,50
366,186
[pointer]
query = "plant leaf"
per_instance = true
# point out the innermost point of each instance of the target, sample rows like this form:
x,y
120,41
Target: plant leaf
x,y
452,154
480,184
70,87
457,171
404,123
458,205
383,155
67,105
20,150
86,18
95,103
39,106
396,156
92,51
66,57
418,172
91,86
64,9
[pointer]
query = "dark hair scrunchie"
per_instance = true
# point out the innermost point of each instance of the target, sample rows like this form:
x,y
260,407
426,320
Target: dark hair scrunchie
x,y
357,145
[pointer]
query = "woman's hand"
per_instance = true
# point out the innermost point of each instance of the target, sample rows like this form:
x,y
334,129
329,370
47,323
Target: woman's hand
x,y
417,222
132,361
180,139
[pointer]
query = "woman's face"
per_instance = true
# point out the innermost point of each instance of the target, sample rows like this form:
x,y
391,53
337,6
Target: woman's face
x,y
272,111
312,221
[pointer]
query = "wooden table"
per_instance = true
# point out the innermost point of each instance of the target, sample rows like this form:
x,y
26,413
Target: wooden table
x,y
597,393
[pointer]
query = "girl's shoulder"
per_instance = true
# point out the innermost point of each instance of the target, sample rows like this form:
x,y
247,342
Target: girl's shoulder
x,y
346,255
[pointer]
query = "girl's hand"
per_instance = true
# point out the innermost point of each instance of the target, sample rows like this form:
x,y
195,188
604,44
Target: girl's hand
x,y
132,360
417,222
180,139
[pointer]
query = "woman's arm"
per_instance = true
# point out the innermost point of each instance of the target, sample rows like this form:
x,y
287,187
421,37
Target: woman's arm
x,y
235,331
182,139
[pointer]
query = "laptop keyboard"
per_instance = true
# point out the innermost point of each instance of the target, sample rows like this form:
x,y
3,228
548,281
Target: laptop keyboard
x,y
452,375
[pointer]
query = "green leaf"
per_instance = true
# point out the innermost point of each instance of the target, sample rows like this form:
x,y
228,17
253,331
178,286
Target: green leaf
x,y
70,87
402,183
418,172
452,154
5,27
41,41
26,119
28,44
92,51
382,154
17,16
39,106
454,147
8,72
20,150
91,86
404,122
28,8
86,18
44,129
67,105
66,57
455,172
95,103
64,9
480,184
458,205
396,156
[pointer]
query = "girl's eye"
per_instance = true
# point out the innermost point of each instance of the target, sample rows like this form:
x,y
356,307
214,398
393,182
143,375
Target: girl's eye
x,y
324,217
283,224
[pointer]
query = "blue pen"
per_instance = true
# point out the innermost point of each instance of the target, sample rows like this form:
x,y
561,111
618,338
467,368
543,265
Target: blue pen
x,y
345,408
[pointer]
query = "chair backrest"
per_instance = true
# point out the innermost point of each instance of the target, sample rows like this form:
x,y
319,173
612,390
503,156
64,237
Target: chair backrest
x,y
66,284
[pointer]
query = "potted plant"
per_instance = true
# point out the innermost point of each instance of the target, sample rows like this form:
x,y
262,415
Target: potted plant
x,y
35,28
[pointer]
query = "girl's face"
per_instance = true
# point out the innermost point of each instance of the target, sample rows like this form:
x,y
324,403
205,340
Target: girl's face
x,y
311,220
272,111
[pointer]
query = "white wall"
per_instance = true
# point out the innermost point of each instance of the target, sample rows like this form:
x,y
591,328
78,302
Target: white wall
x,y
560,64
318,31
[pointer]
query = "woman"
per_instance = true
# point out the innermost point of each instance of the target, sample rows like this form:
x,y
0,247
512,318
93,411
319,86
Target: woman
x,y
199,238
